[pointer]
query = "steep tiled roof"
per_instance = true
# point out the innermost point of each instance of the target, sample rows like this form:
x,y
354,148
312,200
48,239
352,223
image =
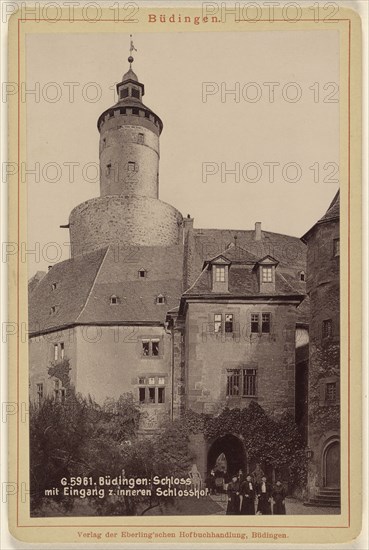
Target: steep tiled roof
x,y
242,279
333,213
74,279
86,283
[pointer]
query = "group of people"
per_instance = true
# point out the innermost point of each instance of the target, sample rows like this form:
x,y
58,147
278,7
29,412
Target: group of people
x,y
251,494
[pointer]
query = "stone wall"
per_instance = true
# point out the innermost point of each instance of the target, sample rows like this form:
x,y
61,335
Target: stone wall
x,y
120,145
209,355
123,220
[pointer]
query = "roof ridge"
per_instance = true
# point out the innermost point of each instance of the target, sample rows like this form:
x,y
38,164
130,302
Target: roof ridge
x,y
93,283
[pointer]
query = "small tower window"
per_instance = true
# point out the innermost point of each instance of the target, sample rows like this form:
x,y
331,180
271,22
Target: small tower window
x,y
62,350
114,300
302,275
142,273
131,167
140,138
123,92
135,93
108,169
160,299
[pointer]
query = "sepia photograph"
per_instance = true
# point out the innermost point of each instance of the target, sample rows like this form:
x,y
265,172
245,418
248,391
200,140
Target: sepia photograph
x,y
190,362
186,342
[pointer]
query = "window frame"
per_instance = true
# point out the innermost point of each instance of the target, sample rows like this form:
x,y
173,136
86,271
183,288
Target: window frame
x,y
327,329
266,274
218,323
220,274
261,322
228,325
154,352
241,378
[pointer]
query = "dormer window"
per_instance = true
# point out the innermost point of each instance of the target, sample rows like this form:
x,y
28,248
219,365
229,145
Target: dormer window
x,y
302,276
267,274
219,274
114,300
160,299
265,269
219,268
53,286
52,310
142,273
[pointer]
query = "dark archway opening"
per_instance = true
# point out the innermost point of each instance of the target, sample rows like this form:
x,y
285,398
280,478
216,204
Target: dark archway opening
x,y
233,450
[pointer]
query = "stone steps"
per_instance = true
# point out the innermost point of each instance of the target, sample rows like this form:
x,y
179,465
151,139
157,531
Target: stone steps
x,y
327,498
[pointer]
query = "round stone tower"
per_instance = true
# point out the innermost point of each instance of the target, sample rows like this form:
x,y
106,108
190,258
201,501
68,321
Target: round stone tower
x,y
128,211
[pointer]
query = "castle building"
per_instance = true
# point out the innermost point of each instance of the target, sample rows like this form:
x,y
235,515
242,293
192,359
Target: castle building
x,y
179,317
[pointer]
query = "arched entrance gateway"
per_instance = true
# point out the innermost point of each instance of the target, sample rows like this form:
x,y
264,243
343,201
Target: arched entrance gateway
x,y
331,465
227,451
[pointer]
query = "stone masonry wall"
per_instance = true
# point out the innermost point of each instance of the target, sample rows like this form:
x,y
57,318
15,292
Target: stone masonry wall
x,y
124,220
209,355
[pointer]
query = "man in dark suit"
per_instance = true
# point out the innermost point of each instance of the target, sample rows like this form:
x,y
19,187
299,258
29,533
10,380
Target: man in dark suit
x,y
248,497
264,494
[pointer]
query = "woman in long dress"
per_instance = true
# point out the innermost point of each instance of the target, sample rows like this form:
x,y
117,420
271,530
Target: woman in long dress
x,y
279,495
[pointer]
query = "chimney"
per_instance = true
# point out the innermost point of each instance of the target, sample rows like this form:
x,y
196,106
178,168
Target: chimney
x,y
258,231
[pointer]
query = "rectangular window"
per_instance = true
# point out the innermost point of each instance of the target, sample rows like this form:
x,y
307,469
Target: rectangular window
x,y
241,382
59,391
219,274
151,395
56,352
151,381
228,325
267,274
131,166
135,93
40,392
161,395
255,322
141,380
233,382
140,138
336,247
249,382
265,323
161,380
331,392
155,347
141,394
62,350
123,93
108,169
217,323
327,328
151,348
146,348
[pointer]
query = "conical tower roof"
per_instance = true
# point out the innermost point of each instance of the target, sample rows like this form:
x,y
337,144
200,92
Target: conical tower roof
x,y
333,213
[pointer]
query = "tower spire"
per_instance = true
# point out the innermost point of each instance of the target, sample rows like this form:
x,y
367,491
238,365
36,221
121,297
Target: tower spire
x,y
131,49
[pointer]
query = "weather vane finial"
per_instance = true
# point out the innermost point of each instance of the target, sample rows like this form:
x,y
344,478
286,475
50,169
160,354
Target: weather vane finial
x,y
131,49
